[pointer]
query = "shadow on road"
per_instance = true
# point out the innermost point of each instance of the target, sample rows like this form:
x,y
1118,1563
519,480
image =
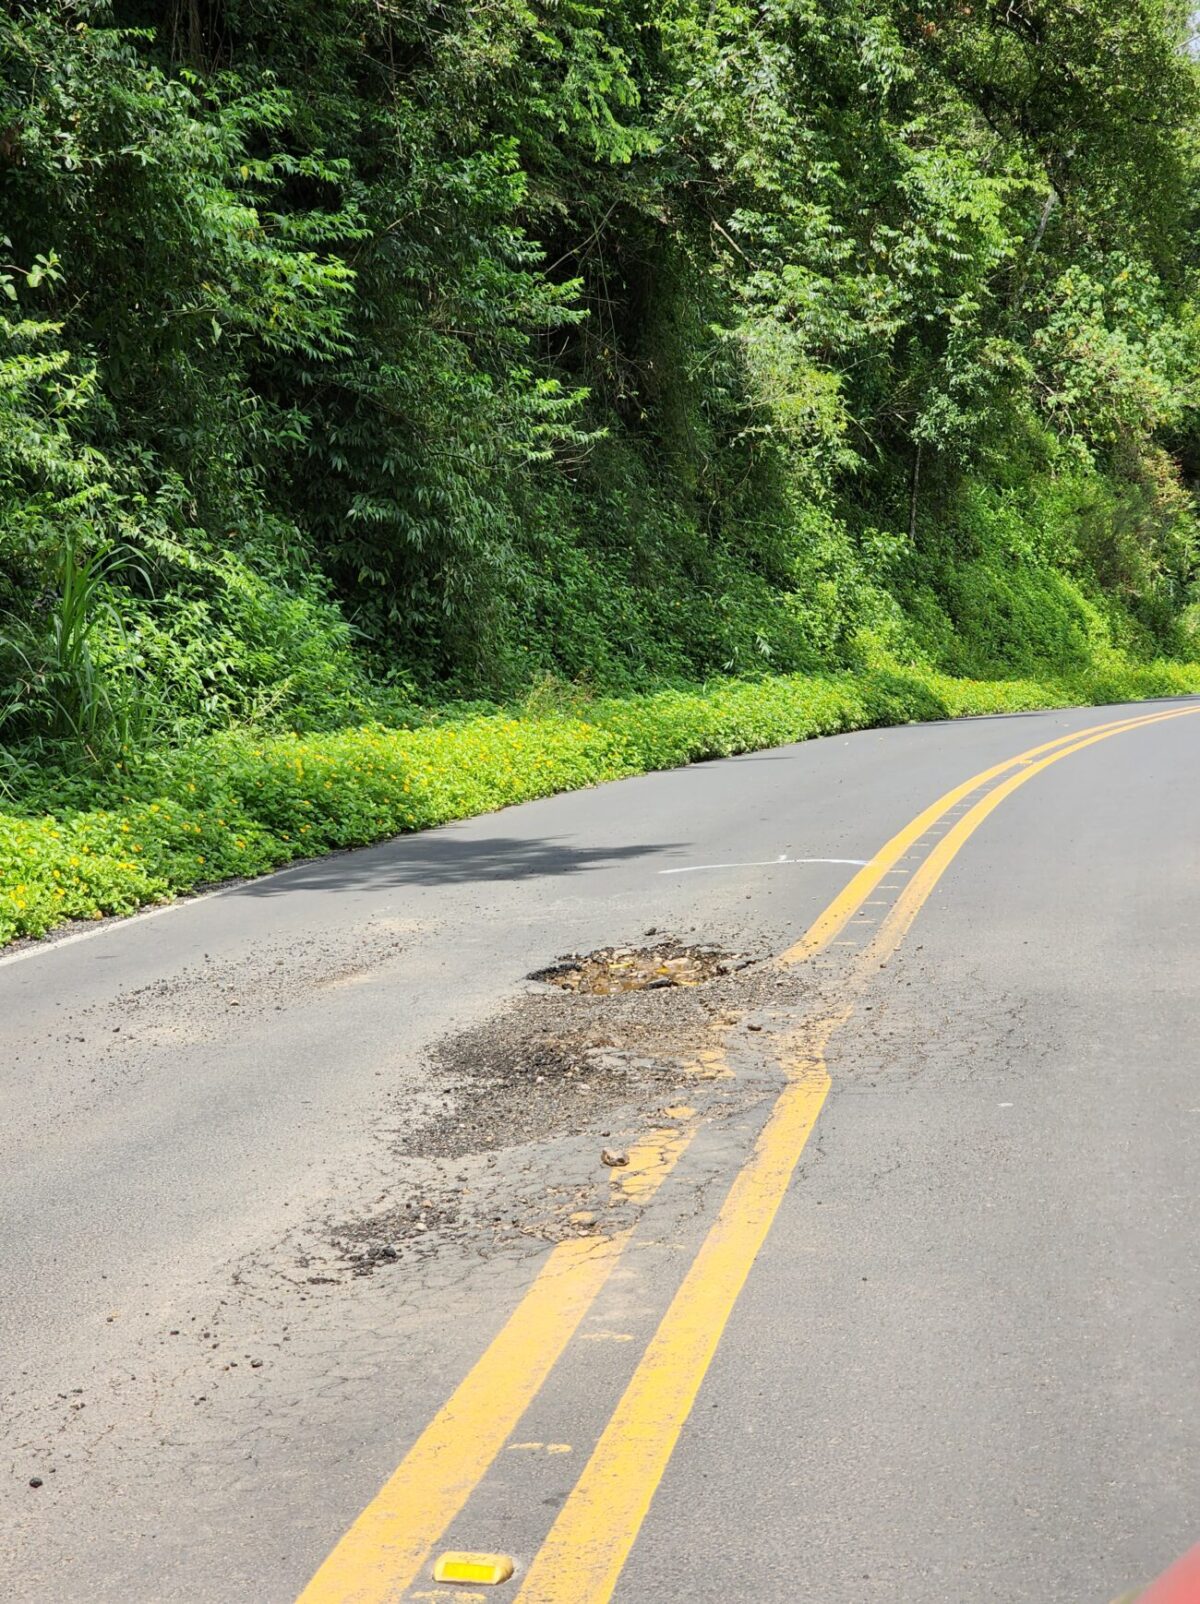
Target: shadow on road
x,y
441,858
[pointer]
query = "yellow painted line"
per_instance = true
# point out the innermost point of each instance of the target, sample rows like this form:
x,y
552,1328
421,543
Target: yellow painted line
x,y
385,1549
649,1160
582,1557
830,923
589,1542
710,1062
896,924
387,1546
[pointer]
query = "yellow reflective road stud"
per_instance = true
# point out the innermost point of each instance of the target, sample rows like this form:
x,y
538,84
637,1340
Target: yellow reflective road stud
x,y
487,1568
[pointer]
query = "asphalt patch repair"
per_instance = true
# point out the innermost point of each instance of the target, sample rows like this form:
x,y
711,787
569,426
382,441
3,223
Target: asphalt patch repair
x,y
592,1056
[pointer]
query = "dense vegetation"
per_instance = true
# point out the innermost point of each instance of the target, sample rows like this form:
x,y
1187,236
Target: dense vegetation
x,y
358,358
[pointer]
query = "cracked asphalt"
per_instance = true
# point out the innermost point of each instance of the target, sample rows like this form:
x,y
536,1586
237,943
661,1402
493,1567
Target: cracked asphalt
x,y
277,1164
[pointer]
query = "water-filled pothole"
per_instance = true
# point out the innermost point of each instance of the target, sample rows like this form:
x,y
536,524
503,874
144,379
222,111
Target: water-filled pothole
x,y
614,969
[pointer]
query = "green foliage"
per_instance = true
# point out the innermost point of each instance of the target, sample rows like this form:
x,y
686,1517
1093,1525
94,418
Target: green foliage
x,y
57,682
357,358
562,337
235,806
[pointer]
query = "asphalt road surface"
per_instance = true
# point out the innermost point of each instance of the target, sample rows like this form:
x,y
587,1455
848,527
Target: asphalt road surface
x,y
313,1270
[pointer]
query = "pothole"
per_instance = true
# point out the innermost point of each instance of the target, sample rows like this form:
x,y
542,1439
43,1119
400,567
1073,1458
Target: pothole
x,y
616,969
518,1109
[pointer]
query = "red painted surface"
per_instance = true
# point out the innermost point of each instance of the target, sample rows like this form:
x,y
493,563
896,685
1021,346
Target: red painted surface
x,y
1180,1585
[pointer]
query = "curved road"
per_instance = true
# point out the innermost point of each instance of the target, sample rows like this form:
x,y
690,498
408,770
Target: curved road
x,y
313,1270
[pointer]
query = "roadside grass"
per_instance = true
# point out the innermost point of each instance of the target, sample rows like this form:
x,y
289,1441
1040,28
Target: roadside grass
x,y
239,804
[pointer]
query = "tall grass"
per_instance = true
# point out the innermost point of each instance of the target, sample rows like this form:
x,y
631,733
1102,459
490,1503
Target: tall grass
x,y
70,682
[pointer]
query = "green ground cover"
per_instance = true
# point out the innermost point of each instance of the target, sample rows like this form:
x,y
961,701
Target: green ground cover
x,y
409,409
238,805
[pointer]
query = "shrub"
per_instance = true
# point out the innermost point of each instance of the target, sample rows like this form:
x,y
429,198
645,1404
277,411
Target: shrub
x,y
234,805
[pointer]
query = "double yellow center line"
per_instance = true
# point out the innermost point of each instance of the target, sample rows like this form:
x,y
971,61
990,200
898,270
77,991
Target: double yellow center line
x,y
581,1559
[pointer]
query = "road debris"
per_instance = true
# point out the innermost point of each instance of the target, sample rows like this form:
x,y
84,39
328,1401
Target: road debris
x,y
613,969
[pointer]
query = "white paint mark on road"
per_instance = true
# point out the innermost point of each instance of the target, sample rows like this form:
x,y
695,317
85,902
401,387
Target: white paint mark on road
x,y
51,943
762,863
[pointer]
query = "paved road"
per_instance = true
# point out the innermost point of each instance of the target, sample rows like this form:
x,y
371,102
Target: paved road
x,y
280,1170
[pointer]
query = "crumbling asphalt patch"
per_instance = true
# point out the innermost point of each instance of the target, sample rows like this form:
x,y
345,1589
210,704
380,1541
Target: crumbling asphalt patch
x,y
207,1000
574,1054
533,1096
